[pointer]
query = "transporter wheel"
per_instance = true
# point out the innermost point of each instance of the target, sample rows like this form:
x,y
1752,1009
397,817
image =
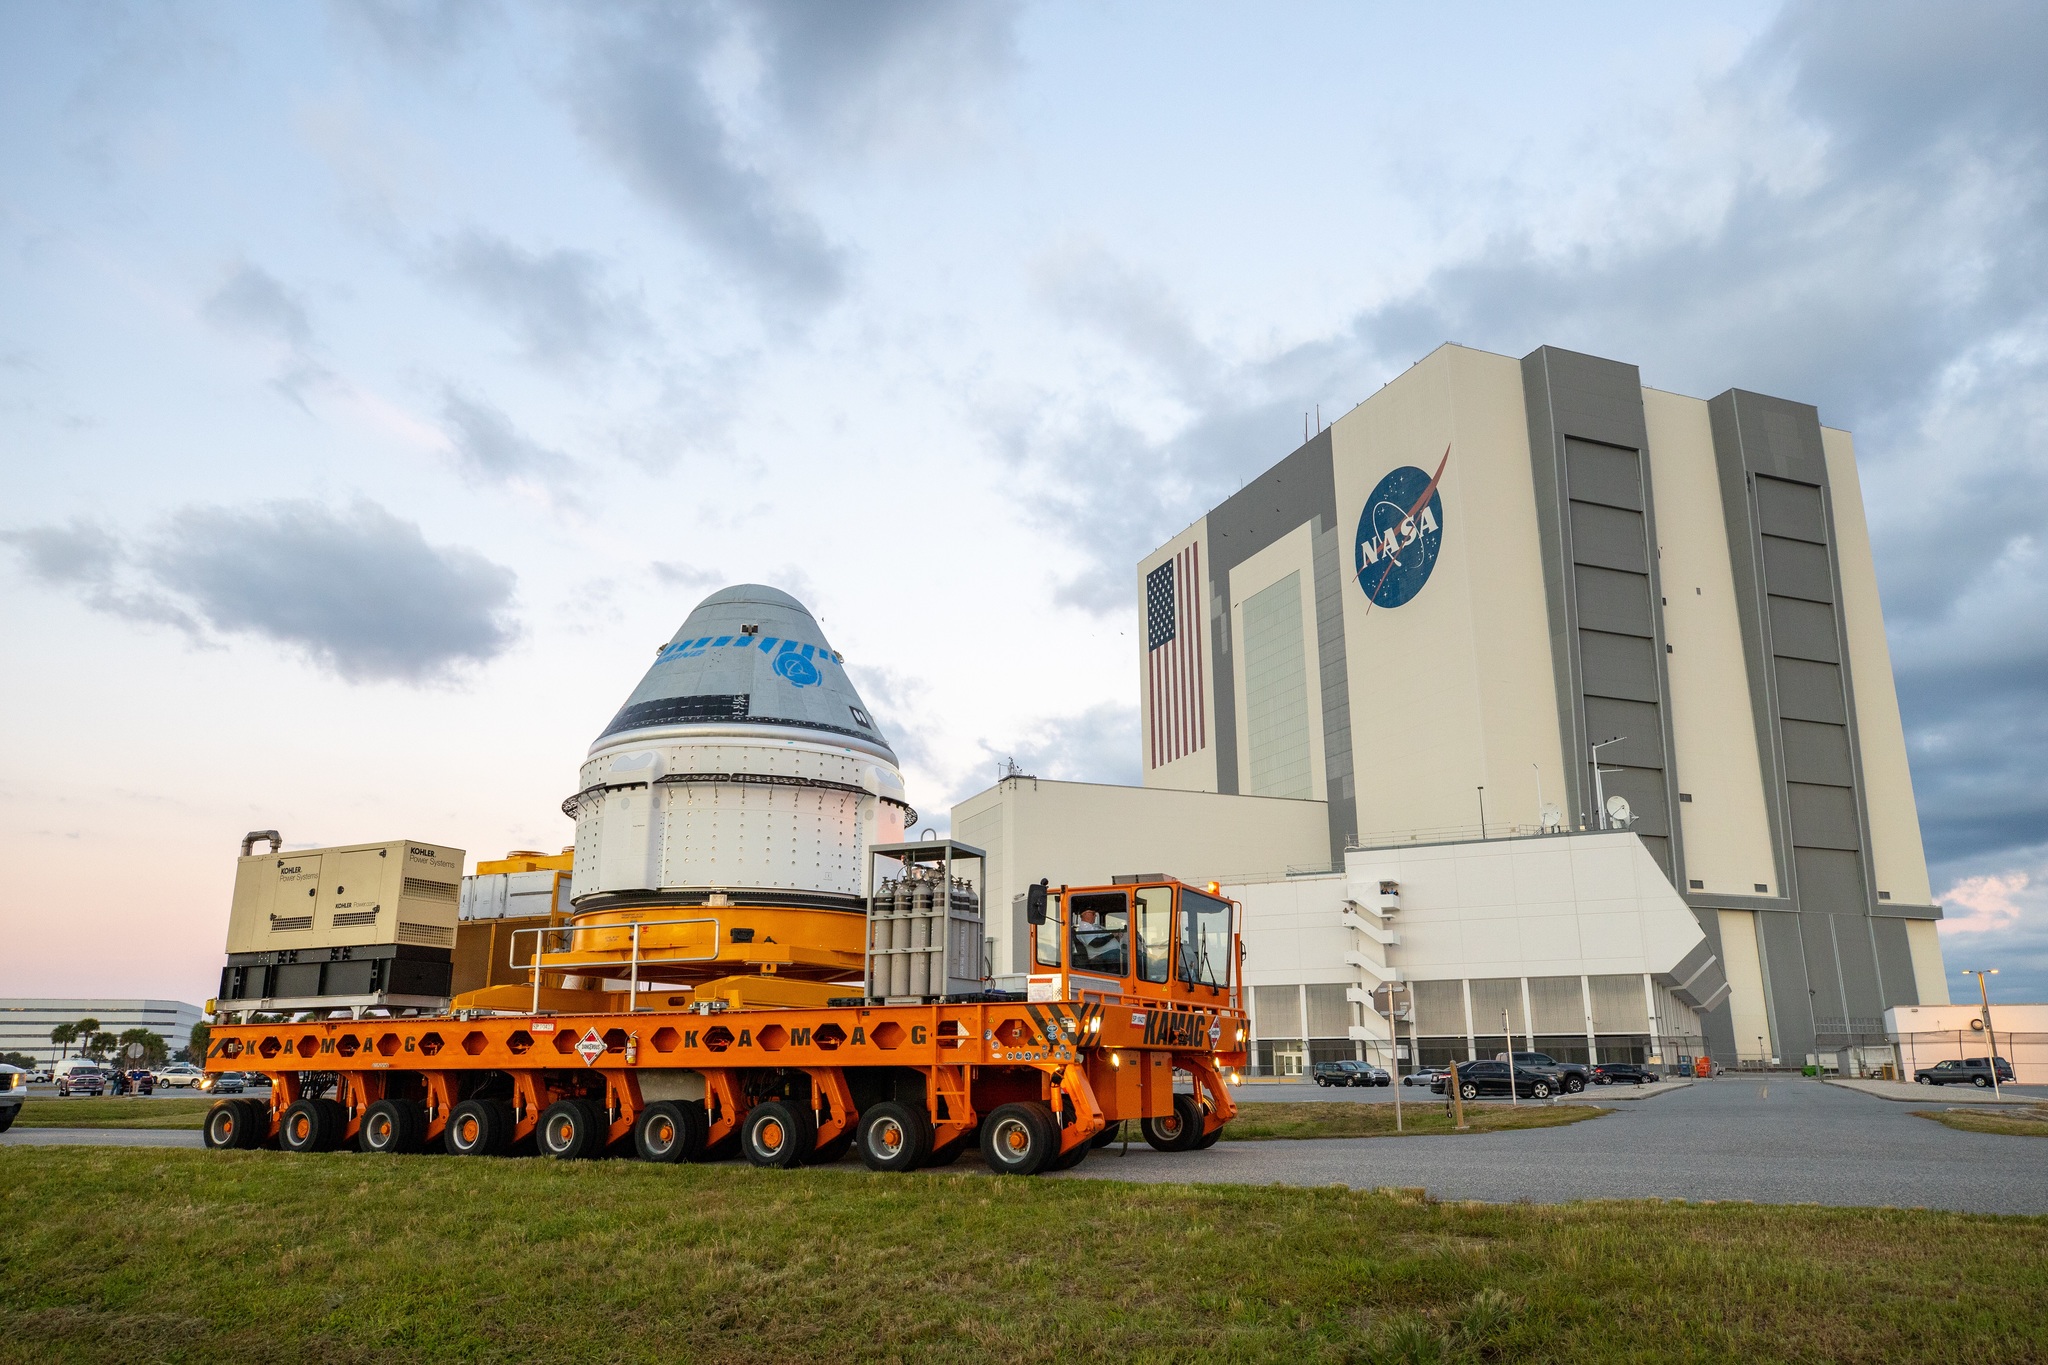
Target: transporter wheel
x,y
1072,1157
475,1128
667,1131
1019,1139
306,1127
895,1136
224,1125
826,1153
571,1130
391,1127
1207,1140
777,1135
1111,1131
1175,1132
946,1153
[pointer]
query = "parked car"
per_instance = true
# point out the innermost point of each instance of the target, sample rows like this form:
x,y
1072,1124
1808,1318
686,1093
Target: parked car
x,y
1476,1079
1968,1071
82,1080
225,1083
1617,1073
39,1075
13,1090
1349,1073
139,1082
1428,1075
180,1074
1571,1077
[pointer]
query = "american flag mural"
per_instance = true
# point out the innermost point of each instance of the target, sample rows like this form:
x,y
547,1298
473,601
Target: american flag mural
x,y
1173,657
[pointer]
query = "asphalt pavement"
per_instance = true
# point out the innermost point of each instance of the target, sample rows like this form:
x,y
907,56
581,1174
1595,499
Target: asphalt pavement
x,y
1775,1140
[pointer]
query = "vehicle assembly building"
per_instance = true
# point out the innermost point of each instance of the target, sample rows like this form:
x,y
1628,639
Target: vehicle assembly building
x,y
1591,676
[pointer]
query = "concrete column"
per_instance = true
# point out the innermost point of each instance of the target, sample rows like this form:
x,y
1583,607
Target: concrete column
x,y
1471,1038
1586,994
1528,1018
1251,1027
1650,1008
1301,989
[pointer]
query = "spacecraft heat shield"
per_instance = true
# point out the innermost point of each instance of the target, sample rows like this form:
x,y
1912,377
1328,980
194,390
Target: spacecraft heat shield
x,y
744,761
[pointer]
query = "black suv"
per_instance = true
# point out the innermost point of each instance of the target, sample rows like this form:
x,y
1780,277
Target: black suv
x,y
1349,1073
1969,1071
1491,1078
1571,1077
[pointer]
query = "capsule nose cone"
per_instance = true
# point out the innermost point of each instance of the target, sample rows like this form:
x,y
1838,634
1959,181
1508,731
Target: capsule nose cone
x,y
749,655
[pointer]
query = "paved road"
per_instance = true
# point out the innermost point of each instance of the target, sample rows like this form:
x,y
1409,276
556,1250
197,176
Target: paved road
x,y
1776,1141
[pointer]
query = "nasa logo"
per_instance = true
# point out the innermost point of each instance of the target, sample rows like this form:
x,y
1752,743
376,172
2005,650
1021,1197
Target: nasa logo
x,y
1400,532
799,671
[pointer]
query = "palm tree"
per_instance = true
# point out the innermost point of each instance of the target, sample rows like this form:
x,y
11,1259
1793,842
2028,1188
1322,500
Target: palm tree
x,y
197,1045
152,1045
64,1035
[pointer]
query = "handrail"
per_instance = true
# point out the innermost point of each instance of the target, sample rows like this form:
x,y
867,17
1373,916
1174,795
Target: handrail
x,y
533,966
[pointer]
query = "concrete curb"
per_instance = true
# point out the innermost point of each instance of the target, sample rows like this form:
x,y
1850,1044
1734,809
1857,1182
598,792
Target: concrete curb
x,y
1601,1094
1906,1092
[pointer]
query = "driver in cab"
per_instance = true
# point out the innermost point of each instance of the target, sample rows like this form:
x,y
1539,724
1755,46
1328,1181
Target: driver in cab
x,y
1101,934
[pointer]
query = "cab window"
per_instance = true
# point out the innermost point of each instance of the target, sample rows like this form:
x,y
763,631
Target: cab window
x,y
1155,932
1047,937
1102,933
1204,939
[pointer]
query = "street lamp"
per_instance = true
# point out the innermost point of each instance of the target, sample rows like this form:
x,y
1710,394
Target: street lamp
x,y
1599,787
1984,995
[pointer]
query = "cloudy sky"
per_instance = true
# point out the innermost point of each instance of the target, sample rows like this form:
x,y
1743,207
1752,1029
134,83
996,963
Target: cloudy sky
x,y
381,382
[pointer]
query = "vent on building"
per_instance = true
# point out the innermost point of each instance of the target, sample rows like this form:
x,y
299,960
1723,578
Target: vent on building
x,y
431,934
1884,895
1695,885
1685,796
438,891
1762,890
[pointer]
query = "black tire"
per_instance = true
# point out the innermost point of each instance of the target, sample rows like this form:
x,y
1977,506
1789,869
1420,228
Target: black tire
x,y
1177,1131
391,1128
777,1135
306,1127
1207,1140
1019,1138
1071,1157
894,1136
257,1134
477,1128
1467,1090
1540,1090
223,1127
7,1117
1574,1084
946,1153
571,1130
1111,1131
1924,1080
669,1131
826,1153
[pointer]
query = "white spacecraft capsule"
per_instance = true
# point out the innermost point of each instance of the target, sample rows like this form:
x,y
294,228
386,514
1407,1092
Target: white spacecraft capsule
x,y
743,770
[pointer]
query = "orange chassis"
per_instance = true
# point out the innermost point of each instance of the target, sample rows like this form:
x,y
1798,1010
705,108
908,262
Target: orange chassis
x,y
1092,1063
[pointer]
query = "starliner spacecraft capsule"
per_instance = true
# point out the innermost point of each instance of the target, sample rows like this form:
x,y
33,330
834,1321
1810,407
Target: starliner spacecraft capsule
x,y
722,817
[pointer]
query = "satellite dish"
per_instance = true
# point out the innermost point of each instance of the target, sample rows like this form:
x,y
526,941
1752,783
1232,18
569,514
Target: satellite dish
x,y
1553,819
1618,812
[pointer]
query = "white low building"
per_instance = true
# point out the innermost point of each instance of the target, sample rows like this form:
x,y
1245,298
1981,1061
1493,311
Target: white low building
x,y
1923,1035
25,1024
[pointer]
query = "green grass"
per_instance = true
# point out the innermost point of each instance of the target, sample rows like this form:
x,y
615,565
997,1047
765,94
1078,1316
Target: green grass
x,y
258,1256
1333,1118
2031,1121
131,1111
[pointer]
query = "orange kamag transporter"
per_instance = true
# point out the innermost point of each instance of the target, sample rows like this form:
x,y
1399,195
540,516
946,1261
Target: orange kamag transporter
x,y
1133,989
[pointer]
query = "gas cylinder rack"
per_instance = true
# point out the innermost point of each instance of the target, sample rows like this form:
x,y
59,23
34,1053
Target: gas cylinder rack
x,y
925,928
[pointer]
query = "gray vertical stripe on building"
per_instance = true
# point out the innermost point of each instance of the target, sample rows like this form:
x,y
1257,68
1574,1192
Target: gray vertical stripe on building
x,y
1832,970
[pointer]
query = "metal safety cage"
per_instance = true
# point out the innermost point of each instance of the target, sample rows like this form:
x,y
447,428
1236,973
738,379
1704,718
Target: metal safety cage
x,y
924,931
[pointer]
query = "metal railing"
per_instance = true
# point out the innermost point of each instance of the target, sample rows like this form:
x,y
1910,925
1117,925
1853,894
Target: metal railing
x,y
631,961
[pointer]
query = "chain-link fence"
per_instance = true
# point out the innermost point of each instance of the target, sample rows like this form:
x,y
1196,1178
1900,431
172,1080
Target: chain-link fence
x,y
2027,1052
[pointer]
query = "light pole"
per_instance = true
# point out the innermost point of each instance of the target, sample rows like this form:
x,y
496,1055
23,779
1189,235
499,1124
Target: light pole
x,y
1599,787
1984,995
1482,812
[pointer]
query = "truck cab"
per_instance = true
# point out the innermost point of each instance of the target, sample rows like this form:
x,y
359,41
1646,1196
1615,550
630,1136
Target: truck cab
x,y
1160,943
